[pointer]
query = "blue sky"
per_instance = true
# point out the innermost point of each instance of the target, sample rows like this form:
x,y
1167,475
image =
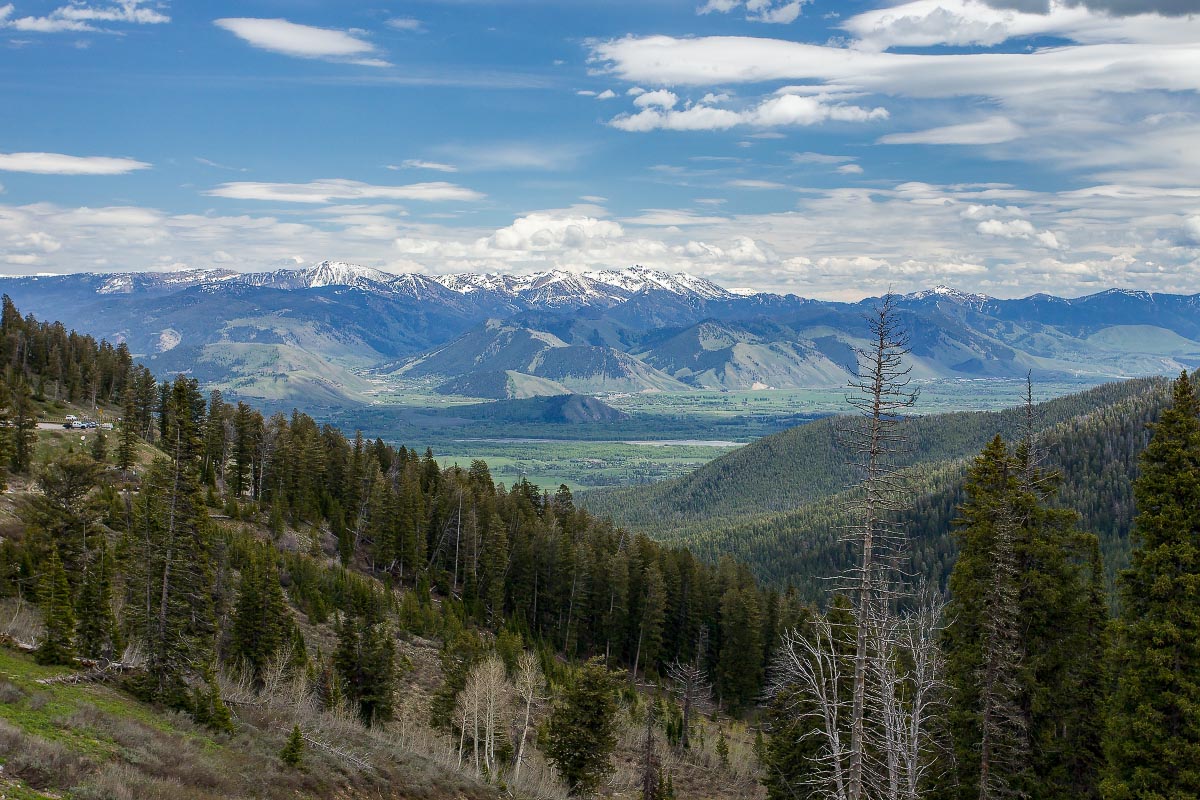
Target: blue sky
x,y
831,148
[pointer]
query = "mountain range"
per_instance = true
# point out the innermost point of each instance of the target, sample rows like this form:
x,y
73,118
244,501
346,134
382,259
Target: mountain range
x,y
340,334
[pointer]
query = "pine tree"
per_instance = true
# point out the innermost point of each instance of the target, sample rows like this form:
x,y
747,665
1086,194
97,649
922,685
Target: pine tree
x,y
127,449
1153,734
54,595
168,563
261,623
96,632
293,751
24,427
581,731
99,449
365,661
983,641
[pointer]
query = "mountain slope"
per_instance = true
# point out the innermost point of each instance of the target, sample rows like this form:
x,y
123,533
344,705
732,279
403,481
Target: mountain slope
x,y
499,346
787,471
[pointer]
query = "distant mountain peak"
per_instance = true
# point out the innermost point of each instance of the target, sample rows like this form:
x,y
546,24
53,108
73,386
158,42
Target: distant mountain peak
x,y
949,293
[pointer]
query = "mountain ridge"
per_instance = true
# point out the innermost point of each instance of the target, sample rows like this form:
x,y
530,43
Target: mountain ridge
x,y
352,326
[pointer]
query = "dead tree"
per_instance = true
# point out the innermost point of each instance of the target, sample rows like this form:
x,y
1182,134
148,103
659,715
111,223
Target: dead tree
x,y
692,687
529,684
880,393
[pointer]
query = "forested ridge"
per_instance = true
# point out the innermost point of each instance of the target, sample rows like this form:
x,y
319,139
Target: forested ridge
x,y
1093,438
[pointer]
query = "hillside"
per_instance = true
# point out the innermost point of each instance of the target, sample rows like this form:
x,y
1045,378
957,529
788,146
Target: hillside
x,y
790,531
203,602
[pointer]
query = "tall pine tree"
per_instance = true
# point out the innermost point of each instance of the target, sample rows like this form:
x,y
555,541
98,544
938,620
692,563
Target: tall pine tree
x,y
1153,734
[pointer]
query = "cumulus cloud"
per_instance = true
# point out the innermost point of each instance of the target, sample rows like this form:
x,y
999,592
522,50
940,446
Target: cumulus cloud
x,y
607,94
784,110
324,191
60,164
771,11
302,41
543,231
81,17
850,169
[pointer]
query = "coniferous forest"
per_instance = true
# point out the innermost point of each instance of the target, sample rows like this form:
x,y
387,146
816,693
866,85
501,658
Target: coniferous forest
x,y
336,615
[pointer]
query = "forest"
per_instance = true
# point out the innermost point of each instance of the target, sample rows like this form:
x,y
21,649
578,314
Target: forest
x,y
268,577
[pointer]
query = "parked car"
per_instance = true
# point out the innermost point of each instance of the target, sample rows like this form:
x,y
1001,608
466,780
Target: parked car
x,y
68,424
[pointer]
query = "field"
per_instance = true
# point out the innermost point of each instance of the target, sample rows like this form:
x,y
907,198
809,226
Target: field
x,y
687,428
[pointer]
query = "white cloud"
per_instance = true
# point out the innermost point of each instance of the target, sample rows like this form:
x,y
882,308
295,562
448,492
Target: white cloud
x,y
406,24
750,183
660,98
59,164
772,11
416,163
1023,76
820,158
324,191
667,218
81,17
541,231
993,130
302,41
607,94
781,110
850,169
505,156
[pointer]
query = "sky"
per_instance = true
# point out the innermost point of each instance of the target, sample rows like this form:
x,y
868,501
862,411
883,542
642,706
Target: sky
x,y
828,148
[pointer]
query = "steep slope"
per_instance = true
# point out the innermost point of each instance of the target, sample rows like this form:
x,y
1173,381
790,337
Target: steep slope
x,y
498,346
761,355
784,472
1095,451
501,385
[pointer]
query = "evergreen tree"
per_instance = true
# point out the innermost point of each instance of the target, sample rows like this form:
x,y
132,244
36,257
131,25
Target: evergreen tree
x,y
261,623
581,732
99,449
24,427
168,565
1153,734
740,665
54,595
96,632
366,663
293,751
127,449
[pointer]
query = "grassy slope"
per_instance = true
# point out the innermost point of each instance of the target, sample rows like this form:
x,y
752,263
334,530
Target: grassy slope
x,y
88,741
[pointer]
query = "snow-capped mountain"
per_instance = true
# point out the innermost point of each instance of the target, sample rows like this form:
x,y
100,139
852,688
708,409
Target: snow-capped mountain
x,y
325,273
311,331
560,288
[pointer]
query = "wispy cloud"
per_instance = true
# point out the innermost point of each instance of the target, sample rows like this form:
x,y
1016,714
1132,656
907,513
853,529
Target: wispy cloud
x,y
81,17
406,24
416,163
993,130
330,189
303,41
60,164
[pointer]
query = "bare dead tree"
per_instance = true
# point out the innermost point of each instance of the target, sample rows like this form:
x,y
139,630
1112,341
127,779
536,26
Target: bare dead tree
x,y
809,666
529,685
692,686
880,393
